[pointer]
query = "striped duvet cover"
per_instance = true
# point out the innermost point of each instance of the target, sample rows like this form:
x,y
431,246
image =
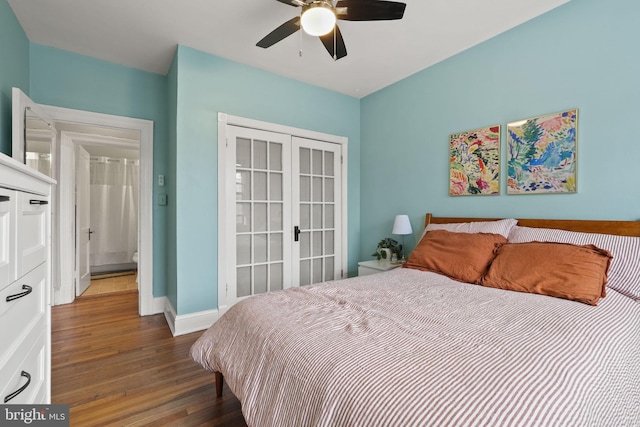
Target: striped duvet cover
x,y
412,348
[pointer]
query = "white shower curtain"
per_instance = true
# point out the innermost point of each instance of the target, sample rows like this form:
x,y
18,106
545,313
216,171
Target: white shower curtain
x,y
39,162
114,210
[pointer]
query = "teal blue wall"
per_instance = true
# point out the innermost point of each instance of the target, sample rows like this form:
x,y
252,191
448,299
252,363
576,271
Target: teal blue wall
x,y
66,79
582,55
207,85
170,181
14,69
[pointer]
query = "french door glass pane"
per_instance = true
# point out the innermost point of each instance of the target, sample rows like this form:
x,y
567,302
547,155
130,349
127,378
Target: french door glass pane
x,y
317,216
305,189
317,189
260,216
276,186
328,163
259,186
243,249
243,282
305,244
305,160
329,216
275,217
260,279
305,216
328,268
328,242
276,277
260,154
243,217
243,185
317,270
243,153
275,156
328,190
275,247
317,243
260,248
305,272
317,162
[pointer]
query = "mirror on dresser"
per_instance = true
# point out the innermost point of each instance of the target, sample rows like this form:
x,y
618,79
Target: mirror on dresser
x,y
33,135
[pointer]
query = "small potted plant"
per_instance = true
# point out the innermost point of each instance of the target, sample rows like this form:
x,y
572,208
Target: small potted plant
x,y
386,248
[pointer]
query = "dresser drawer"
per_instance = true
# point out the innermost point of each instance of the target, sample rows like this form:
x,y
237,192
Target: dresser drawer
x,y
8,270
27,306
29,358
32,231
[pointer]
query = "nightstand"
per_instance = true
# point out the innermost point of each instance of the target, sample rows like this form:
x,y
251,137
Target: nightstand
x,y
372,267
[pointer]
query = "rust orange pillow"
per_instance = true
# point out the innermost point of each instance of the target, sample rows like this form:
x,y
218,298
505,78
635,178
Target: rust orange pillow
x,y
460,256
559,270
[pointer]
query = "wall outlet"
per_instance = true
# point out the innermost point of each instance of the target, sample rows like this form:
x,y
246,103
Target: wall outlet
x,y
162,199
160,180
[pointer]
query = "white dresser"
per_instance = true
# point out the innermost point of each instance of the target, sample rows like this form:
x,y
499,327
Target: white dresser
x,y
25,282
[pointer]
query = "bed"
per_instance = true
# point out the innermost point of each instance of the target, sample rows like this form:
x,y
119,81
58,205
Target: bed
x,y
410,347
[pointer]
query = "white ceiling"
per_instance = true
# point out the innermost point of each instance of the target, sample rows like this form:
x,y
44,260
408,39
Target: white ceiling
x,y
143,34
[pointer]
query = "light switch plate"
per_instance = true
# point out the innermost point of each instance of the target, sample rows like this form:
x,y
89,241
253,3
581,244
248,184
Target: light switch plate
x,y
162,199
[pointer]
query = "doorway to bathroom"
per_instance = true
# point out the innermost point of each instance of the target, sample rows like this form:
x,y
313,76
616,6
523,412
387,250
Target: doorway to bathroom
x,y
107,189
68,272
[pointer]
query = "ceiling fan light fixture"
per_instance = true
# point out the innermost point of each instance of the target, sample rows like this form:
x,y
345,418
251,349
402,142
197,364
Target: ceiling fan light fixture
x,y
318,18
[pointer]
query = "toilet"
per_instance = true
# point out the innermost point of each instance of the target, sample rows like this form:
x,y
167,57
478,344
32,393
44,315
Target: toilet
x,y
135,259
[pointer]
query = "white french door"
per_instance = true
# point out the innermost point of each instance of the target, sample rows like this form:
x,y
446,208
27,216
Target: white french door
x,y
258,212
316,211
83,230
282,212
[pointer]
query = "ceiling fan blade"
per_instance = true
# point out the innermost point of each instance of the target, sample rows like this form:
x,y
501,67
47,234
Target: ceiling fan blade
x,y
280,33
328,42
368,10
295,3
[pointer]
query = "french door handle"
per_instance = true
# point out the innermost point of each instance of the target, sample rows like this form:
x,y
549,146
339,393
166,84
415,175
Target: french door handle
x,y
296,233
38,202
4,198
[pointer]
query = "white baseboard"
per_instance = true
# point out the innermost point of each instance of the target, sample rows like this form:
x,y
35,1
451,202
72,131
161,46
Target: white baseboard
x,y
187,323
159,304
63,295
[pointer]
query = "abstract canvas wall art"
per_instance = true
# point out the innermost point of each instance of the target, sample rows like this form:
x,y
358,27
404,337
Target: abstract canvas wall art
x,y
474,167
542,154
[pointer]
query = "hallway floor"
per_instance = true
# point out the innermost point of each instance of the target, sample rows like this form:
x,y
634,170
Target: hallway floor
x,y
111,283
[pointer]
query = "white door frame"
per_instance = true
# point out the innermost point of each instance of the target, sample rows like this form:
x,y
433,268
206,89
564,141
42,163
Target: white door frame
x,y
226,119
146,303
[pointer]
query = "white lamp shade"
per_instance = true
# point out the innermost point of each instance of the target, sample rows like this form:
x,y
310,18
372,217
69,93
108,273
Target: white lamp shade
x,y
401,225
318,21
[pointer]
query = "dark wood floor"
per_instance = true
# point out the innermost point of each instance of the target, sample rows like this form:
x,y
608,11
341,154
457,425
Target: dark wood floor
x,y
115,368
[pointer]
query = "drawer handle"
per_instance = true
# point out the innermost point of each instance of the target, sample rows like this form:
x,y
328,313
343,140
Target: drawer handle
x,y
25,374
27,290
38,202
4,198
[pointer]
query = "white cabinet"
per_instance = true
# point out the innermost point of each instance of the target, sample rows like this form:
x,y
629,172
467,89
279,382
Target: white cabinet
x,y
375,266
25,284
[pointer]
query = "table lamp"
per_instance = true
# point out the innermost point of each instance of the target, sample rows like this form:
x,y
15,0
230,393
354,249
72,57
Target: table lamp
x,y
402,226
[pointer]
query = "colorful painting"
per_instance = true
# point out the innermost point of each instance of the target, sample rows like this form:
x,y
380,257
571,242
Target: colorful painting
x,y
475,162
542,154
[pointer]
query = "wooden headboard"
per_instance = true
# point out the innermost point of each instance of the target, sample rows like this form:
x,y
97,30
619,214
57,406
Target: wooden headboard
x,y
622,228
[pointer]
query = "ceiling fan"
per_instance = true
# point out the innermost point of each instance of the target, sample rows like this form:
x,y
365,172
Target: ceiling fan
x,y
318,18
